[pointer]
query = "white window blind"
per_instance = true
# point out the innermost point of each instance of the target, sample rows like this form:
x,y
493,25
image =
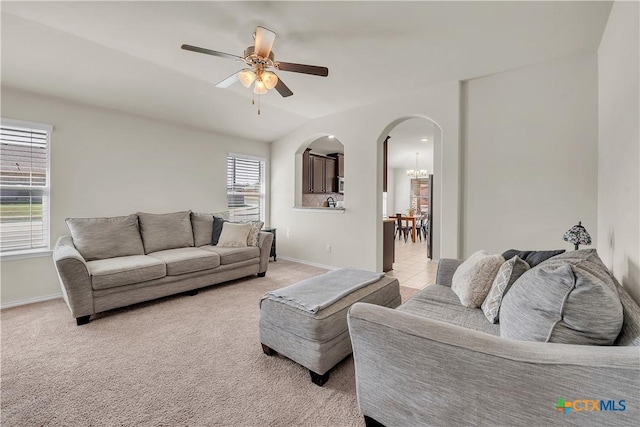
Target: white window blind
x,y
245,188
24,186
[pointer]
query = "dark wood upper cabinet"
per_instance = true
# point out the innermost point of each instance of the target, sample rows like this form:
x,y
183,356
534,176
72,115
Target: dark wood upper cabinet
x,y
329,175
307,167
339,157
318,173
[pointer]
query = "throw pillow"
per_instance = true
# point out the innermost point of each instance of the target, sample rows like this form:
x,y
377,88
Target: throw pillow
x,y
254,234
217,229
532,258
473,278
100,238
570,299
165,231
234,235
202,225
508,273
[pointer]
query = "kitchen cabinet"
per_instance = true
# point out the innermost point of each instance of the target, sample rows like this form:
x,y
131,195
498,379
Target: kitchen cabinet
x,y
318,173
339,159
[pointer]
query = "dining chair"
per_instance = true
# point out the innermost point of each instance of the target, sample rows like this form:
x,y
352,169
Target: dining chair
x,y
404,229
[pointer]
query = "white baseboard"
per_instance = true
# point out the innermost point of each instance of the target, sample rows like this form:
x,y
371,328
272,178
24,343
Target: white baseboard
x,y
30,300
301,261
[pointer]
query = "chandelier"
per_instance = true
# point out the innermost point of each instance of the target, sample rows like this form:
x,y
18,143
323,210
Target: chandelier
x,y
417,173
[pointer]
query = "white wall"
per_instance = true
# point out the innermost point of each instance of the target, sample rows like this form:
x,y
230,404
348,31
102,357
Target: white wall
x,y
530,156
618,147
402,191
356,235
106,163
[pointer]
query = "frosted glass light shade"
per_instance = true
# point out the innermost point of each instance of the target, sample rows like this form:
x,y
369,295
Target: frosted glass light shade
x,y
259,88
246,77
270,79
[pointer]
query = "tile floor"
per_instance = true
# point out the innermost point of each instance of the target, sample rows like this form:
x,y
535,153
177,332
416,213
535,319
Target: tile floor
x,y
412,268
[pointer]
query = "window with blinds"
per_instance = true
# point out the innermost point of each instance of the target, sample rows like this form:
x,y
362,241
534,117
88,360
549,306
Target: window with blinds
x,y
245,188
24,186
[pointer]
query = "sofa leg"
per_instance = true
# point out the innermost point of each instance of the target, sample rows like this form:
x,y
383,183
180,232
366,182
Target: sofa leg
x,y
318,379
370,422
192,292
264,273
82,320
268,350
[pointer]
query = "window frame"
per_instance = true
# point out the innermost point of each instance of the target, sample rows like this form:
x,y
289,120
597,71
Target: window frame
x,y
45,250
263,183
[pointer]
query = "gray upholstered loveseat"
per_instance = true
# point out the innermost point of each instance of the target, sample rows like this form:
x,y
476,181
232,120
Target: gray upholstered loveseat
x,y
113,262
435,362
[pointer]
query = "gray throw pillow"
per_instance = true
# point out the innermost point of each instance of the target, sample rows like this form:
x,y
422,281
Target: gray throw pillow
x,y
217,229
100,238
532,258
570,298
202,224
165,231
508,273
473,278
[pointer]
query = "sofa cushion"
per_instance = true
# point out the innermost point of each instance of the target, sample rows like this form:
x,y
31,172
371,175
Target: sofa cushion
x,y
165,231
202,225
508,273
217,229
234,235
233,255
570,298
122,271
532,258
439,302
187,260
473,278
100,238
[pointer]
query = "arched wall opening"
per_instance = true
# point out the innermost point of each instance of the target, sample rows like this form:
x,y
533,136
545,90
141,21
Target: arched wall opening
x,y
321,145
436,196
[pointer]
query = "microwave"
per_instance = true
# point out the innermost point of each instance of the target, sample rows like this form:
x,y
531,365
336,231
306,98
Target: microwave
x,y
340,185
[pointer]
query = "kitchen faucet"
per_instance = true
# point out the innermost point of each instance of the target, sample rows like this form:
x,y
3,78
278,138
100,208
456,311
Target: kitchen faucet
x,y
331,202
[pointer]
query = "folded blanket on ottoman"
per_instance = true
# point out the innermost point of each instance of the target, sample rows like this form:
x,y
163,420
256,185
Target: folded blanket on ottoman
x,y
319,292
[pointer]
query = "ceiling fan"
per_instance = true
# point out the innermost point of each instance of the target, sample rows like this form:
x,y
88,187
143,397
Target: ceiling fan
x,y
260,60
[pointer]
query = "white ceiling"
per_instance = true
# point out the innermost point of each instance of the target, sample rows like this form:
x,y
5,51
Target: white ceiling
x,y
127,56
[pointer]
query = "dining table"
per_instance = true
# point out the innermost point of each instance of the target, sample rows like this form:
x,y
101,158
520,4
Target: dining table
x,y
410,219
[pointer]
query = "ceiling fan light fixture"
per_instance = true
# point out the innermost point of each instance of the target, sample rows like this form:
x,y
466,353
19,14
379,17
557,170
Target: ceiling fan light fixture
x,y
246,77
259,88
270,79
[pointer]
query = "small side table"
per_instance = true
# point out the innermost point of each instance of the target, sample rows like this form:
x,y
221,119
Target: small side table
x,y
273,244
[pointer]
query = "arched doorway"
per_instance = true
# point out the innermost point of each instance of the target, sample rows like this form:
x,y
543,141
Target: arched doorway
x,y
411,186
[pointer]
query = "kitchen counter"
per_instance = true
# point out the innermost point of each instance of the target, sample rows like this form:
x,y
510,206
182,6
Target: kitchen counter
x,y
318,209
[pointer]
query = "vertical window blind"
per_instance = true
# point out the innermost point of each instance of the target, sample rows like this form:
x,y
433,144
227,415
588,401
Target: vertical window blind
x,y
245,188
24,186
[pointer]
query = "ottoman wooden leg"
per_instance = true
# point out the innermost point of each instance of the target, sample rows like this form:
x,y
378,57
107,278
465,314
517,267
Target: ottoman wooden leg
x,y
318,379
267,350
370,422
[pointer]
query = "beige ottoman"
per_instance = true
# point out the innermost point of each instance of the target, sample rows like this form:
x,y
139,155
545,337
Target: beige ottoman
x,y
318,341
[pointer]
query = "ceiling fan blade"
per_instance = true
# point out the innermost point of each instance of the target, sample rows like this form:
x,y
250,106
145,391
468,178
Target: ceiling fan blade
x,y
228,81
283,89
264,41
210,52
302,68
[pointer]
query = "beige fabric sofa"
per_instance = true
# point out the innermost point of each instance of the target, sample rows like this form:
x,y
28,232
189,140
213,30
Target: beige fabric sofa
x,y
109,263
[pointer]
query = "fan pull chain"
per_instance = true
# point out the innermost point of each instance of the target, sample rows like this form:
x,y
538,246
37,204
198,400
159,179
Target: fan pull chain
x,y
258,104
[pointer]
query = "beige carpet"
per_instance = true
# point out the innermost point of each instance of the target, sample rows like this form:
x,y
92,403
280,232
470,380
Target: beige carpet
x,y
181,360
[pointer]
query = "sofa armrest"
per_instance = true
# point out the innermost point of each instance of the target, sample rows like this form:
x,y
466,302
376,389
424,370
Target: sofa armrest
x,y
446,268
264,242
74,276
412,370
